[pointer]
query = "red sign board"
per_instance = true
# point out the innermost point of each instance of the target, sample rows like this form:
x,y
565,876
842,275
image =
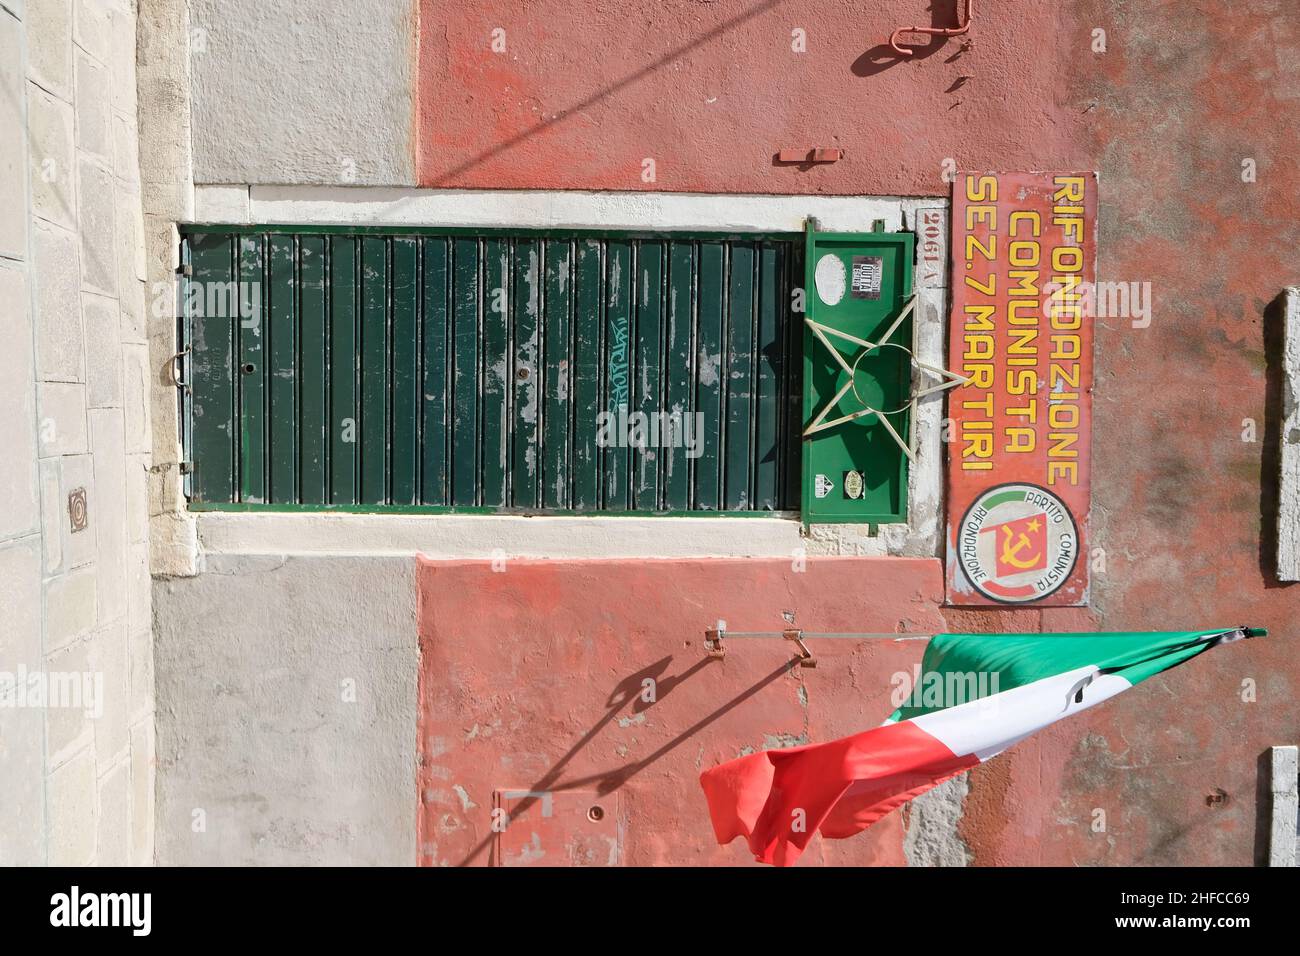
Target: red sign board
x,y
1024,260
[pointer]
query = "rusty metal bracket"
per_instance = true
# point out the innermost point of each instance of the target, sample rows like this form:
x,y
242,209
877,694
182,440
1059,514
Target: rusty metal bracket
x,y
810,156
715,648
713,641
963,25
806,658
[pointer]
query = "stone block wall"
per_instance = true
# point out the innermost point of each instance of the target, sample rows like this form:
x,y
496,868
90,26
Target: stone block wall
x,y
76,729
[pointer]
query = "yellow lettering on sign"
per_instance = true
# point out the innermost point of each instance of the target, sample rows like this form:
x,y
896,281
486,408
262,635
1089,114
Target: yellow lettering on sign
x,y
979,318
1021,382
1063,375
1023,348
988,253
1066,347
1067,259
982,189
1024,254
1067,470
1035,220
1069,188
1021,440
982,214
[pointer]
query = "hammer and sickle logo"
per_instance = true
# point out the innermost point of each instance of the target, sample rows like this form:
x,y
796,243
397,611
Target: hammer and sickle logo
x,y
1012,545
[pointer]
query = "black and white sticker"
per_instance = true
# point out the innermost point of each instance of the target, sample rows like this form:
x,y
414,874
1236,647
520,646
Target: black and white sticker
x,y
868,274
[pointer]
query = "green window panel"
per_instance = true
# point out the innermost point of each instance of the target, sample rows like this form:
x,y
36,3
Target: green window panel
x,y
858,288
480,371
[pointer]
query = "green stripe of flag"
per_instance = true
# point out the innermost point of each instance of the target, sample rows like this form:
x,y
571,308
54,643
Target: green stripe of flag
x,y
1018,659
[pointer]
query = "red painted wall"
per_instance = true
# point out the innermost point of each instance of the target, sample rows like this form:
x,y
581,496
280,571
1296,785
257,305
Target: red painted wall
x,y
712,91
531,680
1182,506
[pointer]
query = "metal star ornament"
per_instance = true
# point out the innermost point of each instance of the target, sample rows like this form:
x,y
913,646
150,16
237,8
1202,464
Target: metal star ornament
x,y
947,378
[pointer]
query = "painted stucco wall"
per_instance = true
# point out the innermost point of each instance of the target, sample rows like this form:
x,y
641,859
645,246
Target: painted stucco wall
x,y
77,765
1186,437
587,681
1187,414
290,689
1191,122
303,92
580,95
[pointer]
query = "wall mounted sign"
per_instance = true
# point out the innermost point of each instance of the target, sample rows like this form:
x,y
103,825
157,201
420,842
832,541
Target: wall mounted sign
x,y
1023,266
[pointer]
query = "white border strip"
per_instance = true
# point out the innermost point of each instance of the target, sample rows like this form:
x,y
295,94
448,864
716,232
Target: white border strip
x,y
490,536
1288,506
538,209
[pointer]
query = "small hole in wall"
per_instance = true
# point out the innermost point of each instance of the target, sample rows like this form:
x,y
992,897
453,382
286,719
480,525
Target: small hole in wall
x,y
596,814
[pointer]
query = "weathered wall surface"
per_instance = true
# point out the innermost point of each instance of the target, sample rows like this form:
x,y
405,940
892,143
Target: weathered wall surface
x,y
76,767
1191,119
319,92
289,736
1288,531
1186,436
1187,419
579,95
167,197
533,679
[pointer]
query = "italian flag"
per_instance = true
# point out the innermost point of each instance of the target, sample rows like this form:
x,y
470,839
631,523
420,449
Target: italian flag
x,y
977,695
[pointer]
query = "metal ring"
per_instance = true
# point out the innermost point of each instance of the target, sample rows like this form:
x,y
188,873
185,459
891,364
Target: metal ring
x,y
174,369
863,354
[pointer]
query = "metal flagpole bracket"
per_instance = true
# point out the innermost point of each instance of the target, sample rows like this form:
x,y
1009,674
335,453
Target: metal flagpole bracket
x,y
714,646
716,649
713,641
806,658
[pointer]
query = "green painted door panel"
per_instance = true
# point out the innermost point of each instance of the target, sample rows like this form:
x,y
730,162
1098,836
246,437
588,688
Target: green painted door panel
x,y
563,372
857,284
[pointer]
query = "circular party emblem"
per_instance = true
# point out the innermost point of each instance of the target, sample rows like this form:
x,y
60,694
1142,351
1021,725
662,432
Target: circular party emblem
x,y
1017,543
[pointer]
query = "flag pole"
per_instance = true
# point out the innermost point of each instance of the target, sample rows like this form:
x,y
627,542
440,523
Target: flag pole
x,y
714,648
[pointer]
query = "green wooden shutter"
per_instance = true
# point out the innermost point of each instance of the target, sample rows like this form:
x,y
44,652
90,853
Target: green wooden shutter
x,y
473,370
859,286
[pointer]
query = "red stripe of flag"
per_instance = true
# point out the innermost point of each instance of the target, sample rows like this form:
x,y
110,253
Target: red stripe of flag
x,y
777,799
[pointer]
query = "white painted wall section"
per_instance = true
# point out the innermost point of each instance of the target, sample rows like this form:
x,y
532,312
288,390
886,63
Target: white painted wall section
x,y
543,209
272,102
1288,518
1286,806
488,536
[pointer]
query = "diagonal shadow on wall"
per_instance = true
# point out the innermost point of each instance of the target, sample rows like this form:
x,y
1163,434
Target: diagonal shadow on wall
x,y
445,178
628,693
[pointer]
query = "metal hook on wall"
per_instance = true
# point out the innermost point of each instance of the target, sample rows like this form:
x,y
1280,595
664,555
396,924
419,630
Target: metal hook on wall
x,y
965,14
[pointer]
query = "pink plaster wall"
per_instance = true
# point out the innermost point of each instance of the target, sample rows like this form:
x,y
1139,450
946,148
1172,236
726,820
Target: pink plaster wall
x,y
530,679
1183,508
584,92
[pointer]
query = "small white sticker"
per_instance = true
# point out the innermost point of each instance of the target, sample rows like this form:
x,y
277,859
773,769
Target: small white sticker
x,y
853,485
831,279
823,486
